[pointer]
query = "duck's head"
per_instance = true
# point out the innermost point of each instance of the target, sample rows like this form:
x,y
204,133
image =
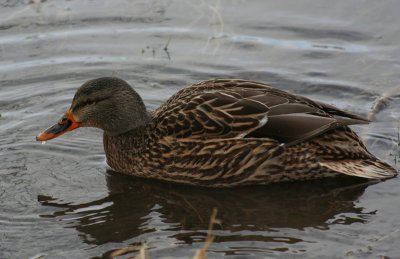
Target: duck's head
x,y
107,103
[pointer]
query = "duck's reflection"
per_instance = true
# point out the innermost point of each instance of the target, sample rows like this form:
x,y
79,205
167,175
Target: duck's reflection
x,y
136,206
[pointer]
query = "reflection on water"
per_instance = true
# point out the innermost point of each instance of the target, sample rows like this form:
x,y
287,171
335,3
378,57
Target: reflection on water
x,y
135,206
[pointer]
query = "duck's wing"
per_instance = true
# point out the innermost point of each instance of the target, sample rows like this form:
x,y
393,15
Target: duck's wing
x,y
246,109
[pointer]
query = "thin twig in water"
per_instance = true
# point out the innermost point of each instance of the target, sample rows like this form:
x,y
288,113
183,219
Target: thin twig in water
x,y
143,254
382,102
201,254
167,44
166,48
216,19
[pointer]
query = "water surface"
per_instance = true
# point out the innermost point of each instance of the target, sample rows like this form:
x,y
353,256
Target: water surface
x,y
59,201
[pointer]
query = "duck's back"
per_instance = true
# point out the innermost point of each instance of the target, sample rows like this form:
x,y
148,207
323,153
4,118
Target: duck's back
x,y
227,108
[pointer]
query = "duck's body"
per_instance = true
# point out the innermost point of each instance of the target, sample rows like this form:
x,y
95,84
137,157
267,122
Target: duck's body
x,y
224,133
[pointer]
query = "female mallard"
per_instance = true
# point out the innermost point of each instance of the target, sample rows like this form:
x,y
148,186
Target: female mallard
x,y
221,133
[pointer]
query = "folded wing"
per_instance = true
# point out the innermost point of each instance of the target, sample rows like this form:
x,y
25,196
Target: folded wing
x,y
245,109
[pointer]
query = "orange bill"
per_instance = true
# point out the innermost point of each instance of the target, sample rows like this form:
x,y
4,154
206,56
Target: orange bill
x,y
65,124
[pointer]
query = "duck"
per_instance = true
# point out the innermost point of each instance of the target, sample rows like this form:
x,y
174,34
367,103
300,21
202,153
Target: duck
x,y
221,133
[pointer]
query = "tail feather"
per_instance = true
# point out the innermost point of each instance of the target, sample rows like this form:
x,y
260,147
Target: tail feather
x,y
371,168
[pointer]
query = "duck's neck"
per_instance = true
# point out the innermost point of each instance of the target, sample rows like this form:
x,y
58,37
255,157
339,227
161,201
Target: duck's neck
x,y
125,151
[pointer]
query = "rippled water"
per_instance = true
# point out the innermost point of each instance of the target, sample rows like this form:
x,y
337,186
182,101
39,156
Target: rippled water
x,y
59,201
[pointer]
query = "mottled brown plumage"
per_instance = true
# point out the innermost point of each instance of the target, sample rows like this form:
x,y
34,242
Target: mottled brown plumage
x,y
223,133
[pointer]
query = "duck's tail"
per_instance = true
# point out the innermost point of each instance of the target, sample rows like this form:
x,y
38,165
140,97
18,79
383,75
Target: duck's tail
x,y
371,168
342,151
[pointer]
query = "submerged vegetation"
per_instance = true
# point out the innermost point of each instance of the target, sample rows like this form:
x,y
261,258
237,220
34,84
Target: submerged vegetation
x,y
143,249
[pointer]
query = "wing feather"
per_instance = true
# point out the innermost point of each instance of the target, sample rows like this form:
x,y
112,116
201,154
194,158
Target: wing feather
x,y
245,109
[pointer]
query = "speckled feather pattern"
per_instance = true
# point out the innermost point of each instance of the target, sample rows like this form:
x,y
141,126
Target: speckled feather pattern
x,y
224,133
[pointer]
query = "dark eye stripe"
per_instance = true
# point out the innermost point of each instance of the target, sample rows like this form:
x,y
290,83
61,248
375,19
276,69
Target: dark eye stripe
x,y
88,102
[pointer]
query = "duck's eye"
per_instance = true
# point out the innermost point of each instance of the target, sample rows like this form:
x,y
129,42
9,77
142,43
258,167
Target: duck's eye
x,y
63,120
85,103
88,102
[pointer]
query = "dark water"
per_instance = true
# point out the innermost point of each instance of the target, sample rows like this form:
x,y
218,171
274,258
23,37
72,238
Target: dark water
x,y
58,201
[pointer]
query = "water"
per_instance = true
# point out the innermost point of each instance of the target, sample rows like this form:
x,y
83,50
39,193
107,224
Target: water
x,y
59,201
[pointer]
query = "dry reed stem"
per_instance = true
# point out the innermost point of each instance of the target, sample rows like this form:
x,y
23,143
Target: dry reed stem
x,y
143,254
382,102
201,254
